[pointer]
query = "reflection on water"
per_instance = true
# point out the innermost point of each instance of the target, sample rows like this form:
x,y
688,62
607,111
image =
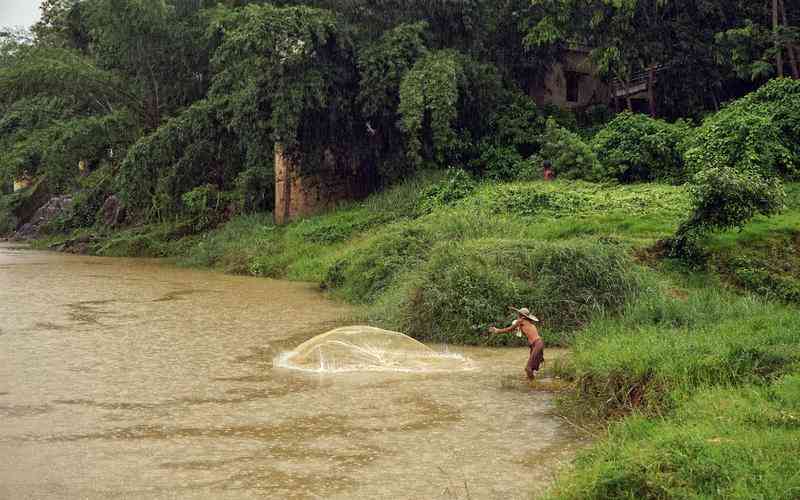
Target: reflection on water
x,y
146,381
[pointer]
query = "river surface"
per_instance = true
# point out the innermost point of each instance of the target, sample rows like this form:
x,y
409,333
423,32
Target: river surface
x,y
125,378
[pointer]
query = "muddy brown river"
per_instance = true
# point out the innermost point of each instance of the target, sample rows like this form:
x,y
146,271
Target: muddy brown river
x,y
123,378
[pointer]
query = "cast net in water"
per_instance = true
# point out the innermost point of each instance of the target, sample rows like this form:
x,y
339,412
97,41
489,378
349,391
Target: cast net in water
x,y
364,348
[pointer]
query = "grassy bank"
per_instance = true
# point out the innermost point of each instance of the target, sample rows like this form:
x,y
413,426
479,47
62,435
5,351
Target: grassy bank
x,y
703,362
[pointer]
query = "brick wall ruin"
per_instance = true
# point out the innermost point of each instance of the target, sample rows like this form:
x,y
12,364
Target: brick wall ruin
x,y
300,194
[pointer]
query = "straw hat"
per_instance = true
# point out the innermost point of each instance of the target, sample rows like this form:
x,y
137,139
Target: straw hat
x,y
525,312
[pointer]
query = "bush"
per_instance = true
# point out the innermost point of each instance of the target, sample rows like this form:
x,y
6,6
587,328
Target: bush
x,y
501,163
204,204
759,132
571,157
518,123
192,149
8,221
466,287
255,188
456,186
637,148
724,198
86,202
365,272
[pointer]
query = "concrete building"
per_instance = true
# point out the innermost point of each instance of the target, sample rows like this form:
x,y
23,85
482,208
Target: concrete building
x,y
572,83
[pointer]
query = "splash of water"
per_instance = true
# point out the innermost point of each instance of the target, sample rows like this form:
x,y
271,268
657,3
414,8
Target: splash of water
x,y
365,348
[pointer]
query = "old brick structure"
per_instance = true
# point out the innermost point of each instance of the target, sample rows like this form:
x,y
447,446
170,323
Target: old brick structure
x,y
297,193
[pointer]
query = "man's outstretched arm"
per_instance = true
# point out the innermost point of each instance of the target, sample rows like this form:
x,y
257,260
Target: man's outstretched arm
x,y
498,331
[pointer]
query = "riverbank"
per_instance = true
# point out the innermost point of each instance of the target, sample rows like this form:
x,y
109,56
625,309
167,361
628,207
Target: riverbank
x,y
661,344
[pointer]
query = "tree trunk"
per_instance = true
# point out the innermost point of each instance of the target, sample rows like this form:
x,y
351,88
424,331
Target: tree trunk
x,y
651,93
790,48
284,175
778,50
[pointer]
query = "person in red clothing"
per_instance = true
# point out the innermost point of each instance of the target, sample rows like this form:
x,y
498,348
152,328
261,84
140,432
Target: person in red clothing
x,y
524,324
547,171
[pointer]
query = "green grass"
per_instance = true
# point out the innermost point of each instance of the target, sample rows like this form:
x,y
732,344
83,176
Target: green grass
x,y
664,347
731,443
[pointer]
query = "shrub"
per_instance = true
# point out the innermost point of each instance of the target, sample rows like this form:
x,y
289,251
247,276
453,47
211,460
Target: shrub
x,y
464,288
759,132
725,198
431,89
204,204
636,148
519,124
255,188
368,270
457,185
8,221
571,157
501,163
192,149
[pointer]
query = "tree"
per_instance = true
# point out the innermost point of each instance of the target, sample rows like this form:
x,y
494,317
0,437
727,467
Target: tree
x,y
159,55
296,63
61,25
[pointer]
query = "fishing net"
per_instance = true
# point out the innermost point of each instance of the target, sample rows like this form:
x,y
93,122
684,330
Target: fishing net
x,y
364,348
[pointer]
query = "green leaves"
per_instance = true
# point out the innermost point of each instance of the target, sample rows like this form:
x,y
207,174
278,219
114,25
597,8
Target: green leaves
x,y
383,66
428,96
725,197
737,157
637,148
756,133
570,156
296,58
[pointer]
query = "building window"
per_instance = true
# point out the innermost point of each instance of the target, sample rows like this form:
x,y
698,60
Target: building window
x,y
573,85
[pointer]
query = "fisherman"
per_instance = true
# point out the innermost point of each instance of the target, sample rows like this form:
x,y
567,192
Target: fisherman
x,y
524,324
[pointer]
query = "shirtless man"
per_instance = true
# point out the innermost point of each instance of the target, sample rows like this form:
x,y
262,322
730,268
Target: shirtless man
x,y
524,324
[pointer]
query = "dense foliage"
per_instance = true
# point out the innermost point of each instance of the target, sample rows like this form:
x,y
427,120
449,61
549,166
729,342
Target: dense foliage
x,y
737,157
568,153
636,148
148,86
759,132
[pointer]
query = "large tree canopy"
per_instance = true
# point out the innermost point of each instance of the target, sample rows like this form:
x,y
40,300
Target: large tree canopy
x,y
194,93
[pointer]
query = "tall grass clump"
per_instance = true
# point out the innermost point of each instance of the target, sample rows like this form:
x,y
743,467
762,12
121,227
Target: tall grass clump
x,y
369,268
661,348
233,246
467,286
733,443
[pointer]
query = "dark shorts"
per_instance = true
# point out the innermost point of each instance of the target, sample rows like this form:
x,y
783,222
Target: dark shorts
x,y
536,358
